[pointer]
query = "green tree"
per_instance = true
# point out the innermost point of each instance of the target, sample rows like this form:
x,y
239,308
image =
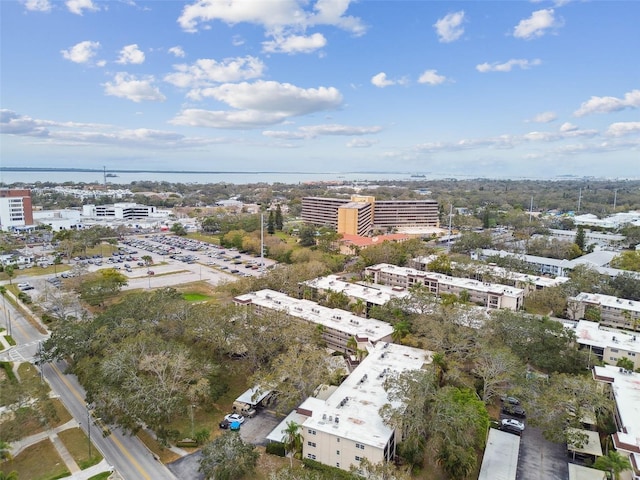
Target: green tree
x,y
307,235
228,457
179,229
627,260
614,463
5,451
400,330
10,271
278,220
147,259
580,238
99,286
625,363
292,440
441,264
271,223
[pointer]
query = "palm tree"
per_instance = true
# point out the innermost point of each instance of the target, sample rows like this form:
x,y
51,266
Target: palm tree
x,y
613,462
352,344
292,439
5,451
358,307
400,330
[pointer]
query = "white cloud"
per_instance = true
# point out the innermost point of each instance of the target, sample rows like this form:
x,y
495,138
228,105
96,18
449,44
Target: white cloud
x,y
237,41
431,77
177,51
380,80
78,6
131,54
272,15
259,104
81,52
508,66
621,129
449,27
544,117
536,25
360,143
295,44
37,5
134,89
74,133
609,104
322,130
206,72
568,127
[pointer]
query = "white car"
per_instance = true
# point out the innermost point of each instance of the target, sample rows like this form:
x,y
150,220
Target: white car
x,y
25,286
234,417
512,423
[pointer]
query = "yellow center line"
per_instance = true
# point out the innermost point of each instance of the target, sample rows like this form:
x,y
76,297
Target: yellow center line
x,y
112,437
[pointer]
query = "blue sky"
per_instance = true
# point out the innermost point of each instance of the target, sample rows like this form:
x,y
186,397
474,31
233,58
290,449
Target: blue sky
x,y
506,88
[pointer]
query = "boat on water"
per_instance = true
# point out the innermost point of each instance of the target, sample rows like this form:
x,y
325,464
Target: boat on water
x,y
418,175
110,175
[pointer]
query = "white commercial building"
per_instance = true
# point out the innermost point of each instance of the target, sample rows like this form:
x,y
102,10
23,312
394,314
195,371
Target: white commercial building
x,y
346,427
124,211
338,326
625,386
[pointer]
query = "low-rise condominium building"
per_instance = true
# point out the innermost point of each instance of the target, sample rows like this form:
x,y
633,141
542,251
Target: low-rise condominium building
x,y
606,309
490,295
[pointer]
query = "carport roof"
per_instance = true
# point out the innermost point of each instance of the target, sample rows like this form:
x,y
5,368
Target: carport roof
x,y
590,447
578,472
500,460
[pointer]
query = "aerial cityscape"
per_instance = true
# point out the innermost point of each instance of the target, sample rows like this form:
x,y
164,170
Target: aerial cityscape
x,y
319,239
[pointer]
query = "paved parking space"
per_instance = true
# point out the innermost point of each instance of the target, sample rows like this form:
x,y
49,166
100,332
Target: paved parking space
x,y
255,430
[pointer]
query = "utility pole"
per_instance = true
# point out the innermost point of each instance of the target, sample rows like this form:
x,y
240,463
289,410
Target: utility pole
x,y
262,242
579,200
615,199
449,239
531,209
89,429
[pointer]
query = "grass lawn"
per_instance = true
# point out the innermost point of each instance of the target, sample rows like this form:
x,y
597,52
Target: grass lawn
x,y
165,455
100,476
37,462
195,297
78,445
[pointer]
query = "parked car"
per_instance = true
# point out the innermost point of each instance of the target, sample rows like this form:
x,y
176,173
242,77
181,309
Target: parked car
x,y
512,423
25,286
514,410
224,424
510,400
234,417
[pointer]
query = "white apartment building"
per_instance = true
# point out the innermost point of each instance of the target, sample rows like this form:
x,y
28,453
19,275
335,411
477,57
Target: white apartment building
x,y
346,427
484,272
612,311
608,345
15,209
339,326
490,295
625,386
371,295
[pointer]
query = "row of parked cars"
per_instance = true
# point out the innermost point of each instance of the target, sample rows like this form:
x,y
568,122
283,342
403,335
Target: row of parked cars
x,y
512,408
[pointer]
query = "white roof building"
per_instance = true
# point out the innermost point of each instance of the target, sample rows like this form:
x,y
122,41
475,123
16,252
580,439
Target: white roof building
x,y
339,325
612,311
346,427
371,294
500,460
625,386
607,344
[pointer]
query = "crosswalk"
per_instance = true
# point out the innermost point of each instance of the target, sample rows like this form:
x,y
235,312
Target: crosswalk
x,y
20,353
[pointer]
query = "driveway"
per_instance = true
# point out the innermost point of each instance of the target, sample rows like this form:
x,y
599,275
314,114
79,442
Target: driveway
x,y
540,459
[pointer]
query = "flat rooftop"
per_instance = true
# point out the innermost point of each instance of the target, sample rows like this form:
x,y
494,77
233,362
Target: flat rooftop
x,y
500,460
334,318
356,402
590,333
463,283
609,301
371,293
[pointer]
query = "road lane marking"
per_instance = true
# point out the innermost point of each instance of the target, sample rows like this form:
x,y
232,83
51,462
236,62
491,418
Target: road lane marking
x,y
117,442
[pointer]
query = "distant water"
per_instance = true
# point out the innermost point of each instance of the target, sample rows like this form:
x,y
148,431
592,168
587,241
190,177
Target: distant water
x,y
125,178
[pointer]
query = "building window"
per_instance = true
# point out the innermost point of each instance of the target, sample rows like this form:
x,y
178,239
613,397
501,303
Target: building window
x,y
360,446
614,350
311,456
358,458
338,465
337,452
311,444
338,440
312,432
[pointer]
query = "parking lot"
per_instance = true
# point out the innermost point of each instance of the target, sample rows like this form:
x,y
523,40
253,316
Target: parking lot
x,y
253,430
541,459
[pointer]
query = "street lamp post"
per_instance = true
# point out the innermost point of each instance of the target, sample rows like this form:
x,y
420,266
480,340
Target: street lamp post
x,y
89,429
